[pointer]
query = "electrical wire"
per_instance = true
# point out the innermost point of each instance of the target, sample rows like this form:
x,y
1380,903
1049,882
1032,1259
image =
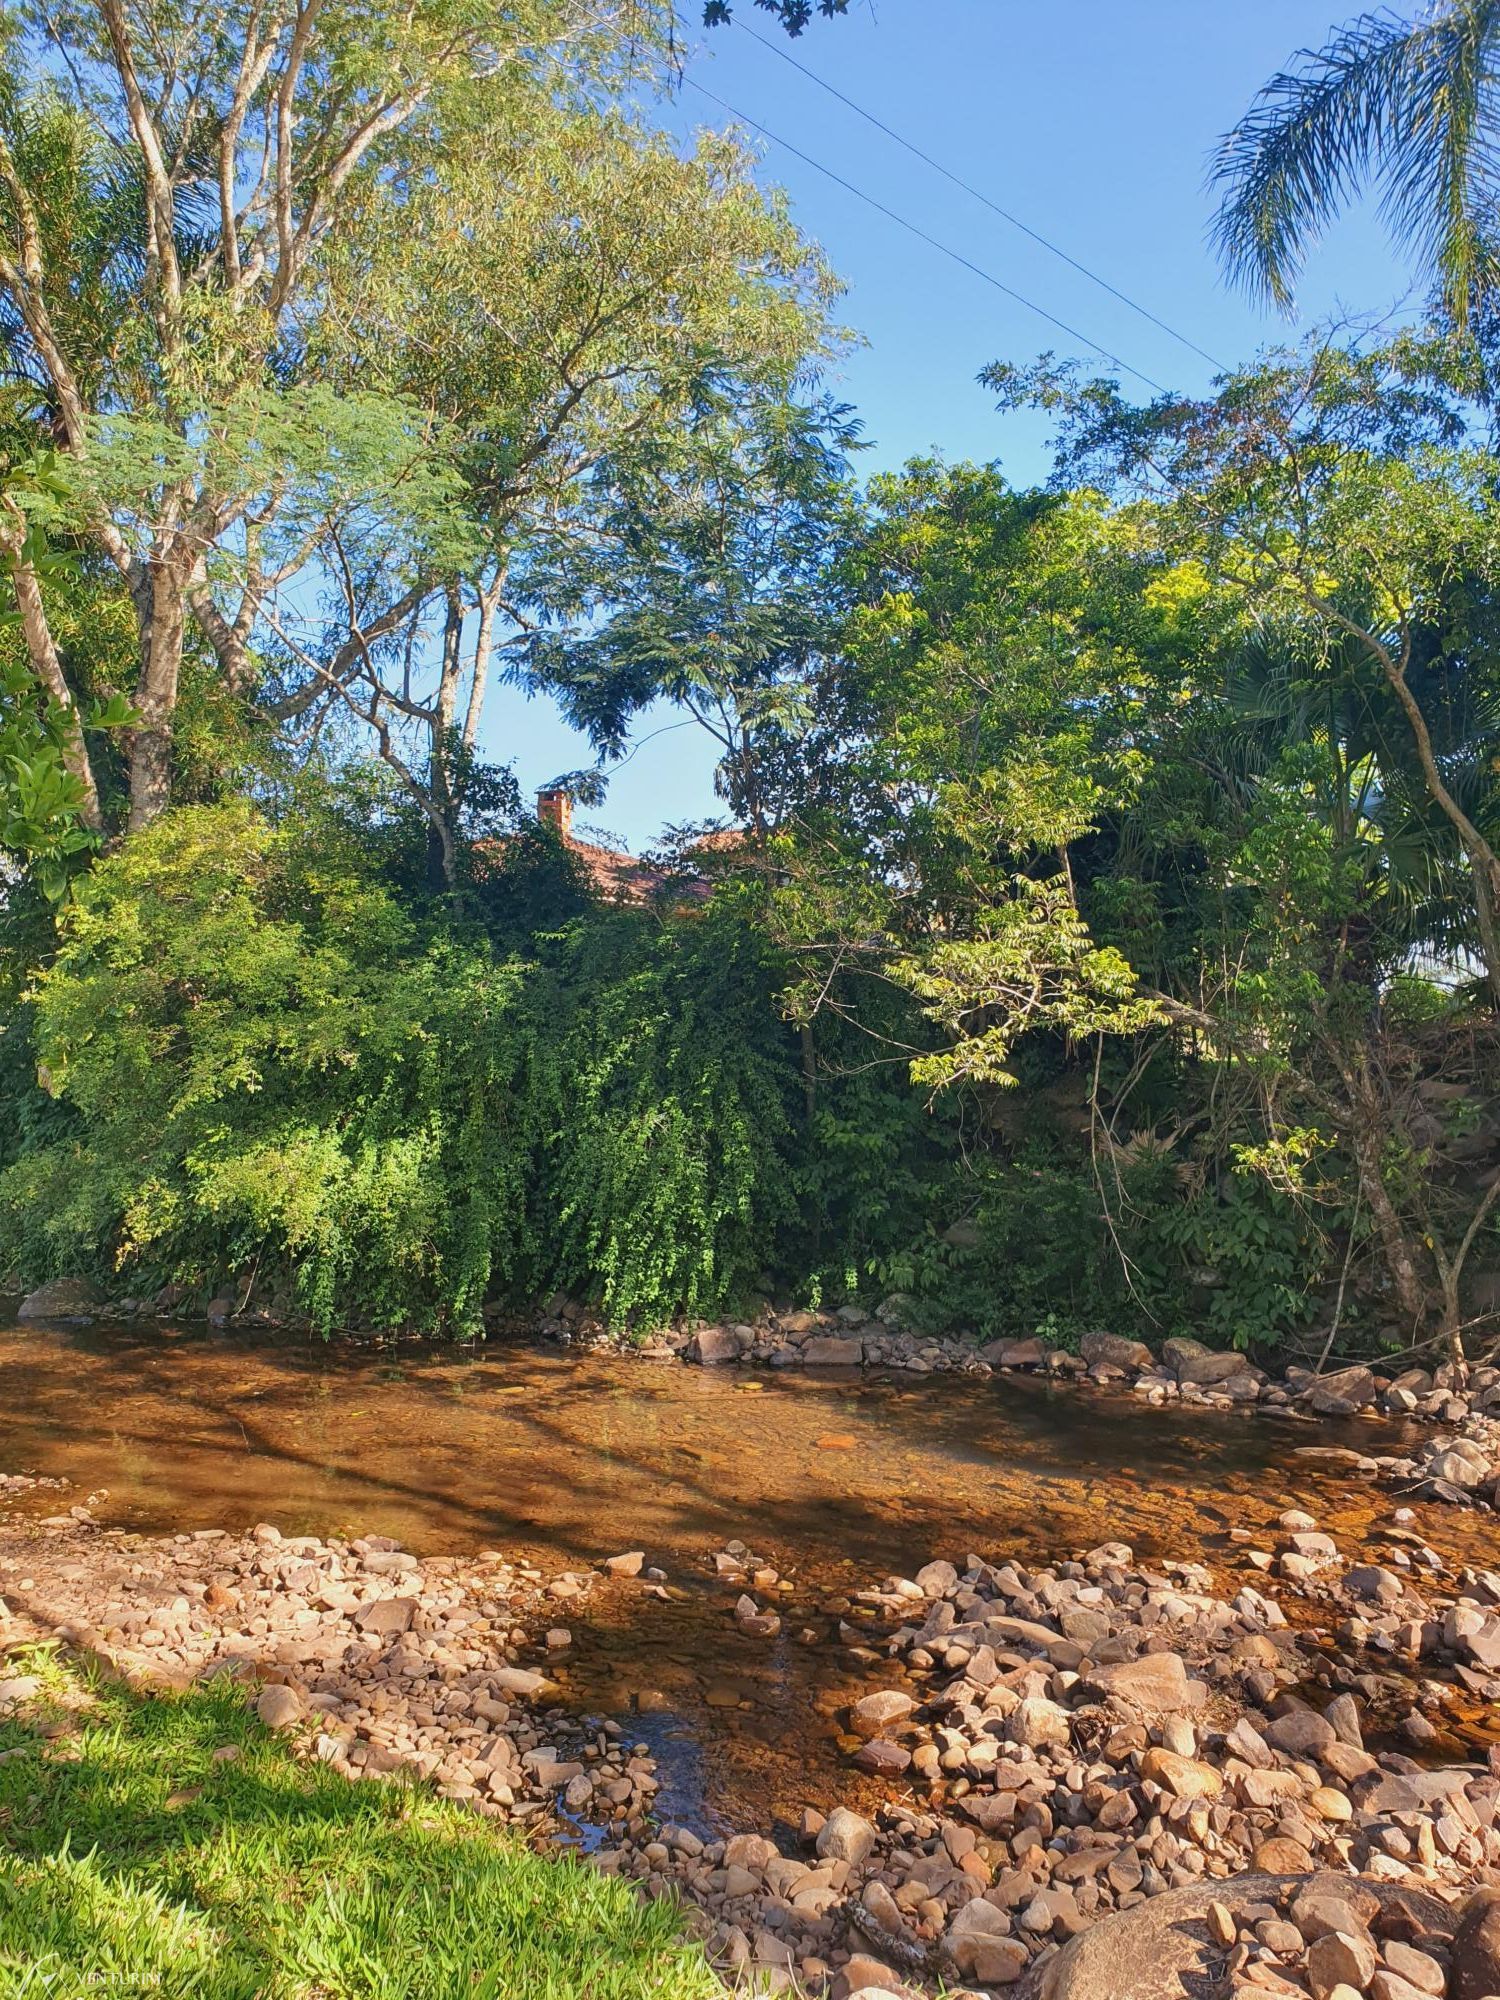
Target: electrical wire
x,y
979,195
922,235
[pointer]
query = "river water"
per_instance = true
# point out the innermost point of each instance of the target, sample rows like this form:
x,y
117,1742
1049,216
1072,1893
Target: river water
x,y
834,1480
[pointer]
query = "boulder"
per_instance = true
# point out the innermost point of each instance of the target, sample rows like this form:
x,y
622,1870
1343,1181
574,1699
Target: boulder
x,y
387,1615
518,1681
712,1346
279,1707
1340,1958
1155,1684
882,1759
1037,1722
935,1579
1191,1361
873,1714
980,1932
1475,1972
1458,1468
61,1298
1343,1393
1183,1777
1301,1732
832,1350
1030,1353
844,1836
1164,1947
1115,1349
868,1979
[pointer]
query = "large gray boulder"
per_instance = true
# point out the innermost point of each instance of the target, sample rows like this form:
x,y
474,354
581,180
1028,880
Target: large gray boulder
x,y
712,1346
1116,1349
1191,1361
62,1298
1162,1949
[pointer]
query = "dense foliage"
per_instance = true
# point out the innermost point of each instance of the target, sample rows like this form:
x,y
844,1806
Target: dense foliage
x,y
1105,925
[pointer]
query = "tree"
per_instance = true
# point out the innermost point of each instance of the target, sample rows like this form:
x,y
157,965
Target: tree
x,y
713,582
793,15
1405,106
564,337
1339,500
223,235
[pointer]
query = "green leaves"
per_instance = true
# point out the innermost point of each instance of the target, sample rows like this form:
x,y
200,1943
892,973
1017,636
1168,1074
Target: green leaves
x,y
270,1063
1031,966
41,801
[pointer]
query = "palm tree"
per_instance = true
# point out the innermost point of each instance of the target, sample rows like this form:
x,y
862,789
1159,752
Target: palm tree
x,y
1410,108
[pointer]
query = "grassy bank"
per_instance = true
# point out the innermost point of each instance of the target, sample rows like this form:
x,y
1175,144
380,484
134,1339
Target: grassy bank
x,y
135,1860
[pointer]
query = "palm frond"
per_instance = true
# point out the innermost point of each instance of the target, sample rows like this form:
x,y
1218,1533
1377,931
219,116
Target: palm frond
x,y
1408,108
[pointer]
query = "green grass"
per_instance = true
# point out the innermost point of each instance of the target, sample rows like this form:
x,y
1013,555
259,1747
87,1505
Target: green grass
x,y
131,1862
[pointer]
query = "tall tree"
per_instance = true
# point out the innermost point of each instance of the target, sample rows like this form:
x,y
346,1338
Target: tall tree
x,y
713,582
270,266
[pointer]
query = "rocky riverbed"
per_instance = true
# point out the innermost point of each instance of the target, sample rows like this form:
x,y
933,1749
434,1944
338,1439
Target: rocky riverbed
x,y
1039,1750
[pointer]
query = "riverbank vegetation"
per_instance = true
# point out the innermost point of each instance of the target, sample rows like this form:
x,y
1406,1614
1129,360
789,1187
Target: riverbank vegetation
x,y
1102,927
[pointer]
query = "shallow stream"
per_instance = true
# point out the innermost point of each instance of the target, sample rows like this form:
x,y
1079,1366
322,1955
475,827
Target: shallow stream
x,y
833,1480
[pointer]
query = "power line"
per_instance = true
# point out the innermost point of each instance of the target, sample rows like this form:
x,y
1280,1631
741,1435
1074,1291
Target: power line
x,y
979,195
921,234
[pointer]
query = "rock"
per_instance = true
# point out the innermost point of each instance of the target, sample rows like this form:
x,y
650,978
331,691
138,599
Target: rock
x,y
1328,1902
1389,1985
1458,1468
1343,1393
1281,1855
882,1759
1154,1951
389,1562
1183,1777
521,1681
386,1615
845,1837
18,1687
627,1565
831,1350
712,1346
1483,1644
873,1714
1114,1349
1156,1684
936,1579
749,1850
1340,1958
278,1707
1037,1722
977,1930
1331,1805
867,1977
1475,1970
1417,1968
1301,1732
1191,1361
1030,1353
61,1298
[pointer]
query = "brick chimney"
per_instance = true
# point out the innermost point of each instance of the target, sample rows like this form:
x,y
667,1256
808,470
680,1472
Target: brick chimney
x,y
554,808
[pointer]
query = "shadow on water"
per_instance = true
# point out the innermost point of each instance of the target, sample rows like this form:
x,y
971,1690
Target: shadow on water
x,y
570,1458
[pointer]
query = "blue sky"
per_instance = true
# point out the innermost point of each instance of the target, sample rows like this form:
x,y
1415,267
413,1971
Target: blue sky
x,y
1090,120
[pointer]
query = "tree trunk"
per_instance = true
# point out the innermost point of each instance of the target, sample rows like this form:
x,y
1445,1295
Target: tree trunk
x,y
442,870
156,696
1411,1293
47,666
